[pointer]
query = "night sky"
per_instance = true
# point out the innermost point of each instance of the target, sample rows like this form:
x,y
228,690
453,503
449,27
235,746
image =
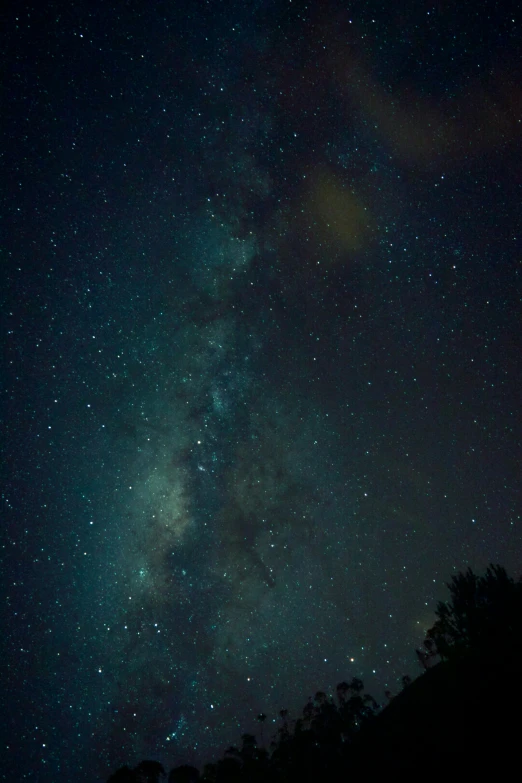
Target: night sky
x,y
261,298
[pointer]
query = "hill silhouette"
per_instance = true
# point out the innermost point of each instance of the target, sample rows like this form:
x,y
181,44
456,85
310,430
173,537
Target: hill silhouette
x,y
461,716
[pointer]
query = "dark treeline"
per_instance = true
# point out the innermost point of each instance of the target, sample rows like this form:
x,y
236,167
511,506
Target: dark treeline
x,y
461,716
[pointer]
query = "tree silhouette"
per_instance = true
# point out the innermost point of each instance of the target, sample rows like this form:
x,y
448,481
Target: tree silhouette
x,y
184,774
261,719
484,612
459,703
149,772
145,772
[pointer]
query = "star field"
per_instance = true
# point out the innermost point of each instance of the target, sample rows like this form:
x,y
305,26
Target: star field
x,y
261,312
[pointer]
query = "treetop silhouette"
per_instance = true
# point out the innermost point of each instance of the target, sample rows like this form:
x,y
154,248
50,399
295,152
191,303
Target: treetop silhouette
x,y
437,718
484,613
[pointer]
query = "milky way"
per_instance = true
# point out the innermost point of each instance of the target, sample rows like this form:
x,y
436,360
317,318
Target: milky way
x,y
262,393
